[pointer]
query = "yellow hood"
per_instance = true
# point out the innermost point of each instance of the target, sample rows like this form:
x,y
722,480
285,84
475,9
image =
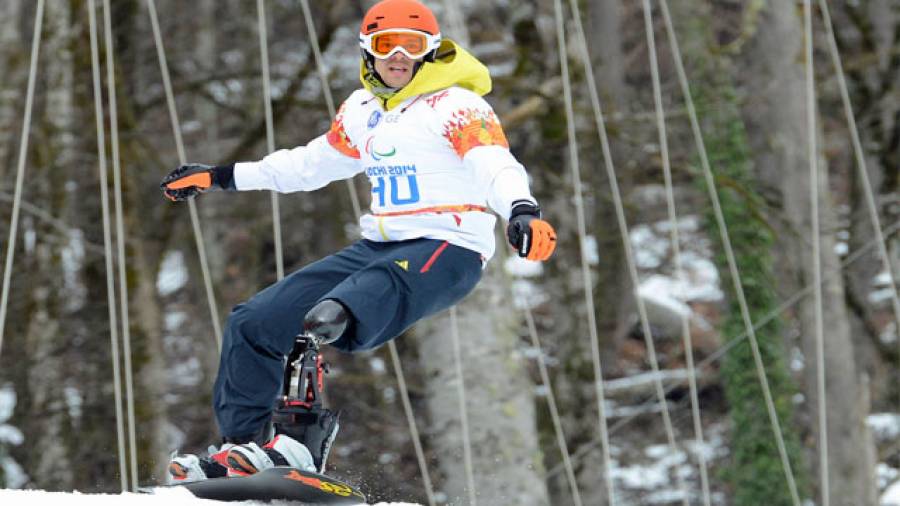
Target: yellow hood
x,y
454,66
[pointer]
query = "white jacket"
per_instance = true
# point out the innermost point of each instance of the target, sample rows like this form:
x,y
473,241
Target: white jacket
x,y
436,162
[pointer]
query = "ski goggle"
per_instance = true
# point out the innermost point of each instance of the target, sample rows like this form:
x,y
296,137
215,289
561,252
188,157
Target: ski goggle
x,y
412,43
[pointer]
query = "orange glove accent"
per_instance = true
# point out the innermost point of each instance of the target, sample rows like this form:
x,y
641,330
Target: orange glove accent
x,y
543,241
187,181
201,180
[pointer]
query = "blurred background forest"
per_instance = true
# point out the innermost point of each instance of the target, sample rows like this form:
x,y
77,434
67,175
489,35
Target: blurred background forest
x,y
745,62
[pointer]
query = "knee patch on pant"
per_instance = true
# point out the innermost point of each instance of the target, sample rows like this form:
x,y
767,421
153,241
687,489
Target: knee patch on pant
x,y
327,320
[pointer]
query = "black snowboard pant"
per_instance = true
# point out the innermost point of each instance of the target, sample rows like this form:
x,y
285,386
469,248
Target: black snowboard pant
x,y
386,286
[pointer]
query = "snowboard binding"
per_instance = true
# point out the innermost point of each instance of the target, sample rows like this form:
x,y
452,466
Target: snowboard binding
x,y
300,412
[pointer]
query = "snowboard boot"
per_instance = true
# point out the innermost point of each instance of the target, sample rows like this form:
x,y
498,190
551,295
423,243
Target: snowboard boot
x,y
250,458
187,468
316,427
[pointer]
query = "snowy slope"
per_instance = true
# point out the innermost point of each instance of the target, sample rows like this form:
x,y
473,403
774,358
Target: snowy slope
x,y
168,497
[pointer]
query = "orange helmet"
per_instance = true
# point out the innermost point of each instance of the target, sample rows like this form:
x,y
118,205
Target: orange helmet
x,y
393,14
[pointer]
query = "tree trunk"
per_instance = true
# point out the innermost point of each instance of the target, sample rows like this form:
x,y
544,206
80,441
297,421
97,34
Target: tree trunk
x,y
603,31
756,473
501,412
776,111
12,87
873,105
57,291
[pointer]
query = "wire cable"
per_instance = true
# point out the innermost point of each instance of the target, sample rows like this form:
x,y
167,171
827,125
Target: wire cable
x,y
270,133
813,154
107,245
861,160
730,256
179,146
120,239
676,249
20,169
411,421
730,344
463,409
607,156
326,90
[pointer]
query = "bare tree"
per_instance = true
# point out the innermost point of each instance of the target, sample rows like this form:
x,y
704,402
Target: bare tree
x,y
776,116
506,457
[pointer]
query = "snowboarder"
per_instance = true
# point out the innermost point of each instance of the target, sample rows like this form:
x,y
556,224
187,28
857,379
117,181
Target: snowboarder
x,y
438,160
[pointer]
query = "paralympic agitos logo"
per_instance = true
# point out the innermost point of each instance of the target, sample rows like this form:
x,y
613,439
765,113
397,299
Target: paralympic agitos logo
x,y
376,153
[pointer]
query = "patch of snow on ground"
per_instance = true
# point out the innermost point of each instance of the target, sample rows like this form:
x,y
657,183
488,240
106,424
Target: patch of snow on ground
x,y
891,496
15,475
881,295
702,283
886,475
517,266
174,320
74,401
641,477
884,426
172,274
9,435
7,402
882,279
527,294
591,251
649,250
889,334
72,257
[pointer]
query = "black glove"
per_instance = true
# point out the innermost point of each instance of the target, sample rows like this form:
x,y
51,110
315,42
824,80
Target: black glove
x,y
532,237
189,180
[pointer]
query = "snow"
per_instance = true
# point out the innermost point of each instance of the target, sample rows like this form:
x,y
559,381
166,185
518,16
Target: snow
x,y
886,475
169,497
663,307
7,402
891,496
882,295
889,334
173,274
10,435
377,365
626,383
527,294
884,426
175,320
885,288
518,266
30,239
649,250
74,401
798,360
882,279
72,258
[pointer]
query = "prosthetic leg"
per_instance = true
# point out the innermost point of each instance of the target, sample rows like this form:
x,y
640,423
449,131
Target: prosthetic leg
x,y
301,413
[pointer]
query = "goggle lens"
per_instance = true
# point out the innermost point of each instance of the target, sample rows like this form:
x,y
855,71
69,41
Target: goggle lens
x,y
415,44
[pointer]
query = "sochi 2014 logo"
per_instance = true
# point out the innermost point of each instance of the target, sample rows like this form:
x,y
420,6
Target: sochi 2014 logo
x,y
378,154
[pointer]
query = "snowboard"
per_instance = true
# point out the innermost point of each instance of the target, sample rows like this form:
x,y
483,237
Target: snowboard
x,y
278,484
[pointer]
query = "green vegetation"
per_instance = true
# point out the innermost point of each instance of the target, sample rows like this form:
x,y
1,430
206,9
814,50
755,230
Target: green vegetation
x,y
756,473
